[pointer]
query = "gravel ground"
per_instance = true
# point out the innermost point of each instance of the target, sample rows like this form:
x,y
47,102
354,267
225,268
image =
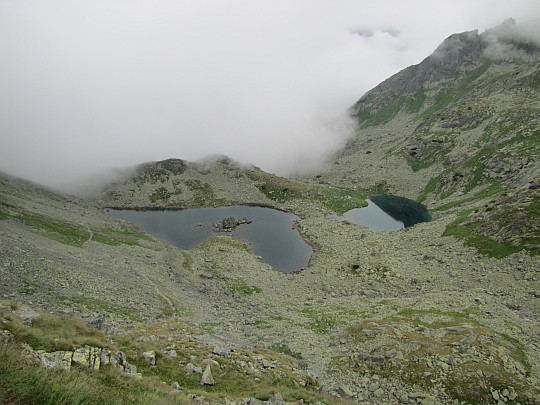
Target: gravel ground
x,y
367,305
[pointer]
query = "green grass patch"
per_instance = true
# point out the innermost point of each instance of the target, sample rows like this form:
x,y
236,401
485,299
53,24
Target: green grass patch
x,y
167,310
427,340
95,304
455,91
203,194
483,244
160,194
114,237
264,324
51,332
430,187
340,200
63,232
23,382
187,262
455,317
208,327
241,287
493,189
277,188
429,153
284,349
387,108
322,320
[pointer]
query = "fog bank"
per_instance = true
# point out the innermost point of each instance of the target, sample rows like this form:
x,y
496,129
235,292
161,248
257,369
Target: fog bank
x,y
86,86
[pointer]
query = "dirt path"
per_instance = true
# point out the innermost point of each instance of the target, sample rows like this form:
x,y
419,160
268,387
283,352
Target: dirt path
x,y
90,233
160,293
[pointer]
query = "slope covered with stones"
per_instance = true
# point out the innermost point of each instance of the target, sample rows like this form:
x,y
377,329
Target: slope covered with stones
x,y
459,131
396,317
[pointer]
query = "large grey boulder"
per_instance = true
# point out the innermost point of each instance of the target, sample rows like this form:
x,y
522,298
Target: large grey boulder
x,y
119,361
26,314
207,378
192,368
60,359
88,356
150,357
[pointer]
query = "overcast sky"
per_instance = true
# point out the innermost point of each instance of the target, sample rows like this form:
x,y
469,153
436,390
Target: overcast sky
x,y
96,84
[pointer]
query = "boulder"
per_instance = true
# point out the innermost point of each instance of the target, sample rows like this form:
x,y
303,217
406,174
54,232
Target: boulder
x,y
88,356
170,352
230,223
29,353
277,399
118,361
223,351
211,362
60,359
150,357
207,378
105,356
193,369
345,392
26,314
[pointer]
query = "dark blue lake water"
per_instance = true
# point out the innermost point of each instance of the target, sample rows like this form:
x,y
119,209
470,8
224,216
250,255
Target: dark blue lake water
x,y
388,213
269,235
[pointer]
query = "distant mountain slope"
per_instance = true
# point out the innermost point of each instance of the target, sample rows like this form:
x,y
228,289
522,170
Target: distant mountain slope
x,y
460,129
220,181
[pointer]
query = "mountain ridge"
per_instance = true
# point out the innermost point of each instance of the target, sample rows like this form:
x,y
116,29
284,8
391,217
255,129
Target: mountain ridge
x,y
460,129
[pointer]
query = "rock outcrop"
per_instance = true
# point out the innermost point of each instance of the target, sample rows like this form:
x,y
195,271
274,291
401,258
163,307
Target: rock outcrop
x,y
87,356
207,378
230,223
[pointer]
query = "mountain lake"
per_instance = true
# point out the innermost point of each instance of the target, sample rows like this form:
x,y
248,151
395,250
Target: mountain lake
x,y
270,234
387,213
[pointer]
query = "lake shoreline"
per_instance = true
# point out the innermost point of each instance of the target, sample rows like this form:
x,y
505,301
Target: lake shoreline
x,y
283,259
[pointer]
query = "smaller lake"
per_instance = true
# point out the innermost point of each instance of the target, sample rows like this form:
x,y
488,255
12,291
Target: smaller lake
x,y
270,234
388,213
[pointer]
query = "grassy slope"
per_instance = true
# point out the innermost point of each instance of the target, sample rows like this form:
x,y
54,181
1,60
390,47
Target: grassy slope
x,y
474,144
222,182
23,381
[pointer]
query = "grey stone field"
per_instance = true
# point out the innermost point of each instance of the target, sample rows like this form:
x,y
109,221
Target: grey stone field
x,y
444,312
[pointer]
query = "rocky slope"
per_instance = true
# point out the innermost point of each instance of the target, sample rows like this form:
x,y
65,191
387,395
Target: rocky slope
x,y
373,306
413,316
459,130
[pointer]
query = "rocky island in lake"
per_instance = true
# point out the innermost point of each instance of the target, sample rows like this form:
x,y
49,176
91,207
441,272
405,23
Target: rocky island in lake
x,y
230,224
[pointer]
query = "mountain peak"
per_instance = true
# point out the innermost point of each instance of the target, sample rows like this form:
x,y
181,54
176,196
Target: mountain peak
x,y
457,57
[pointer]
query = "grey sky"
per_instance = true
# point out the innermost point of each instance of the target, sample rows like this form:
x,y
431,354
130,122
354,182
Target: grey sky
x,y
89,85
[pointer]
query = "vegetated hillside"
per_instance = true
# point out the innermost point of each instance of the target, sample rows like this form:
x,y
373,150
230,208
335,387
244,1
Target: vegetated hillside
x,y
64,361
460,131
374,315
64,254
220,181
379,317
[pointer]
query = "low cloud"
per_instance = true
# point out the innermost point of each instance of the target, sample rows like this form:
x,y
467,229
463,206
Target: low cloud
x,y
510,41
86,86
